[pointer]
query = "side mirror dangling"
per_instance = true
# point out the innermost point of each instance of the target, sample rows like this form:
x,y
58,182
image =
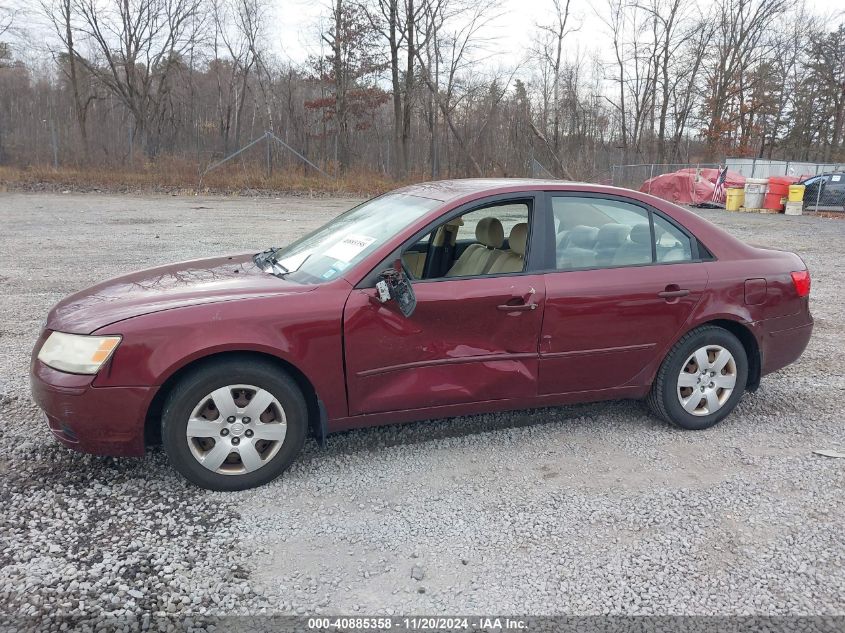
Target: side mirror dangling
x,y
394,284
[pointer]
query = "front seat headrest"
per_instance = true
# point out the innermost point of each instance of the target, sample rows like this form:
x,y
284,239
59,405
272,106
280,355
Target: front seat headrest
x,y
490,232
518,238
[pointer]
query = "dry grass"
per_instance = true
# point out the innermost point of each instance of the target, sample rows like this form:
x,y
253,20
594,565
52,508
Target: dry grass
x,y
180,177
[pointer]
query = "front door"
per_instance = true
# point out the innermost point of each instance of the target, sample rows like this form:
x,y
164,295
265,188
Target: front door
x,y
469,340
475,332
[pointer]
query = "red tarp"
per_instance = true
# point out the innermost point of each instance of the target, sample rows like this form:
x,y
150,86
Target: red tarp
x,y
733,179
681,186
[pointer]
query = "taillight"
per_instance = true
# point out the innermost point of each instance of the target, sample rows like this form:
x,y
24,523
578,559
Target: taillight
x,y
801,281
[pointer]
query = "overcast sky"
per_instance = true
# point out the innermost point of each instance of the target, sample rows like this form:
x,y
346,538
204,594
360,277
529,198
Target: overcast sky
x,y
295,33
295,26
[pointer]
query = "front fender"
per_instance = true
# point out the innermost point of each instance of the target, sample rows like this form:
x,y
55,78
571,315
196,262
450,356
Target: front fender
x,y
304,330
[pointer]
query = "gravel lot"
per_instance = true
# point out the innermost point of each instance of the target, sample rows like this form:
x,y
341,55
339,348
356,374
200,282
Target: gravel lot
x,y
596,509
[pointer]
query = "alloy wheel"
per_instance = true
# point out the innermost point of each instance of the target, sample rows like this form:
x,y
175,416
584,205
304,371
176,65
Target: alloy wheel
x,y
707,380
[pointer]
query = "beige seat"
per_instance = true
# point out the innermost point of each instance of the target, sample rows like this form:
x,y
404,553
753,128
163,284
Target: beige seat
x,y
576,251
637,248
609,239
445,235
477,258
415,263
512,261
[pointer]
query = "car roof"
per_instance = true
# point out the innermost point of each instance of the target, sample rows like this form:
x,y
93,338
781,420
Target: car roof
x,y
446,190
827,173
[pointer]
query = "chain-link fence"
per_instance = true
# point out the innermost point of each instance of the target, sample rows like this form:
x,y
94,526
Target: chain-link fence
x,y
825,193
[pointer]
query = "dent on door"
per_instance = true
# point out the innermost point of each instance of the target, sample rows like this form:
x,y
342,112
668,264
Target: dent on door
x,y
462,344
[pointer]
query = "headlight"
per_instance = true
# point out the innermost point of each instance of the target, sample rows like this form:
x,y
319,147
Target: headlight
x,y
76,353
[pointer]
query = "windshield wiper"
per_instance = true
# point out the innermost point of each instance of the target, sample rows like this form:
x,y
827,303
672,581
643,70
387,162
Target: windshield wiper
x,y
266,260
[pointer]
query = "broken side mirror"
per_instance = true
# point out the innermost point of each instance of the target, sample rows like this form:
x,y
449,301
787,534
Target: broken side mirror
x,y
394,284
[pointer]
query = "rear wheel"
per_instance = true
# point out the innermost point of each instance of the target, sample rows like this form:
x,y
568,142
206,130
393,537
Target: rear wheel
x,y
234,424
701,380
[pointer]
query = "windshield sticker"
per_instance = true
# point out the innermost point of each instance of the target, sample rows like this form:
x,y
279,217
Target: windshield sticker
x,y
836,178
349,247
331,272
339,265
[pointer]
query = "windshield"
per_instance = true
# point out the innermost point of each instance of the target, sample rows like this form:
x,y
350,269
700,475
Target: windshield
x,y
350,237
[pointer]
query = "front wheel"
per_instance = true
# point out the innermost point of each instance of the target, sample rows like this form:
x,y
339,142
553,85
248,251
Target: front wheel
x,y
234,424
701,380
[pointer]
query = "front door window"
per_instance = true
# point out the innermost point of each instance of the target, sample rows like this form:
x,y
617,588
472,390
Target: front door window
x,y
491,240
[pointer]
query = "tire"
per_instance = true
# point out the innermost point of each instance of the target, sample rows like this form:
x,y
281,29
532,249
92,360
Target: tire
x,y
218,398
691,389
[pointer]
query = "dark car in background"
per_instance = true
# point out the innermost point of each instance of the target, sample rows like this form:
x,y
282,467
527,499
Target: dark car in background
x,y
825,191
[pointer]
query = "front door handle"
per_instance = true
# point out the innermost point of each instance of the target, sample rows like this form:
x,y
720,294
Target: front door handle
x,y
519,304
519,307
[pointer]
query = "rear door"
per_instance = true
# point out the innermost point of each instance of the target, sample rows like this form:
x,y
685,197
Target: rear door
x,y
617,295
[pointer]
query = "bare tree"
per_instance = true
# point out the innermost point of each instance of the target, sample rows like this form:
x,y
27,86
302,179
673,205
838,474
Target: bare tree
x,y
353,60
668,19
239,30
615,21
552,52
825,64
740,42
60,14
460,44
7,18
685,86
136,47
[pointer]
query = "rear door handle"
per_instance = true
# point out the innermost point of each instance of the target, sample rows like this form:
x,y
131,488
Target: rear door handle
x,y
672,294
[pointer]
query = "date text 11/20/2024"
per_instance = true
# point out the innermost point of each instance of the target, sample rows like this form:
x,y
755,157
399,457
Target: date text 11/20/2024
x,y
417,623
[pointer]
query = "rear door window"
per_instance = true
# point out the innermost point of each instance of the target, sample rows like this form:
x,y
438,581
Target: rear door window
x,y
608,233
672,244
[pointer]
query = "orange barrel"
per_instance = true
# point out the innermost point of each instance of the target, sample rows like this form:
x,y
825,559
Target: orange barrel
x,y
773,201
778,190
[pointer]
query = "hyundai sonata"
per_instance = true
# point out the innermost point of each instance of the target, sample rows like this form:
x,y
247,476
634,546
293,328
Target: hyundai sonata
x,y
439,299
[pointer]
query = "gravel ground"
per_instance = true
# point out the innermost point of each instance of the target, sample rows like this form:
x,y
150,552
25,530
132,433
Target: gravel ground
x,y
594,509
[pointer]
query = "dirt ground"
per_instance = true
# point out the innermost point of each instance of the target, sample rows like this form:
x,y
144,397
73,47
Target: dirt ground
x,y
579,510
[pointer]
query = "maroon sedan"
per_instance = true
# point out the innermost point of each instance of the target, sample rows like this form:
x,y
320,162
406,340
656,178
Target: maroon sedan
x,y
439,299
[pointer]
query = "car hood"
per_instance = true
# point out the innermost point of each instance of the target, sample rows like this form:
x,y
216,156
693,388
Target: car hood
x,y
166,287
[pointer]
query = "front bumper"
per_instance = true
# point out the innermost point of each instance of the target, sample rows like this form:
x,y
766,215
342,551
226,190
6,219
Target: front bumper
x,y
98,420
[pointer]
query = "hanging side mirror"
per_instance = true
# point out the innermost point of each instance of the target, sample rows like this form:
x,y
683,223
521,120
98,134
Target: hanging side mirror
x,y
394,284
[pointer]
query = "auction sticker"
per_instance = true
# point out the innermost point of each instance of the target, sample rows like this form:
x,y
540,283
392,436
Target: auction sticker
x,y
349,247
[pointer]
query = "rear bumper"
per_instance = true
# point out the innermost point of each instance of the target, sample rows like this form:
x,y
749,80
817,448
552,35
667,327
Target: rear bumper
x,y
98,420
783,341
